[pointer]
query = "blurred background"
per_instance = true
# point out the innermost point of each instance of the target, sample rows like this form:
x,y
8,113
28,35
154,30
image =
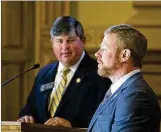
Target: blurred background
x,y
26,39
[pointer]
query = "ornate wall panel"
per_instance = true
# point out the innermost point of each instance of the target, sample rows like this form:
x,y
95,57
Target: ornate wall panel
x,y
17,39
94,37
147,19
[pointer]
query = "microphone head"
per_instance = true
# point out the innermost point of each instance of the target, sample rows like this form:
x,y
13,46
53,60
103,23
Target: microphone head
x,y
36,66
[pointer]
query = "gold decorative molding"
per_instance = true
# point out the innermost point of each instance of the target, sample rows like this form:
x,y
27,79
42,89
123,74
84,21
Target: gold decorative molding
x,y
147,14
147,19
153,57
94,36
147,4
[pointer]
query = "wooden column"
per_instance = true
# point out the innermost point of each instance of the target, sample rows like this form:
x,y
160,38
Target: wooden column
x,y
17,55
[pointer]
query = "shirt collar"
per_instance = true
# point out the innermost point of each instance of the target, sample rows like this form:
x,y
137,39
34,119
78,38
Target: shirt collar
x,y
118,83
74,67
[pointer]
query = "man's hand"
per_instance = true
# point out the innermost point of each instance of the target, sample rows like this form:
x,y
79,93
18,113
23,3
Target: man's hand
x,y
57,121
27,119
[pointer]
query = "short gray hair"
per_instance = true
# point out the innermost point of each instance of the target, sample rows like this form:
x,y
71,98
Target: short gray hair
x,y
65,25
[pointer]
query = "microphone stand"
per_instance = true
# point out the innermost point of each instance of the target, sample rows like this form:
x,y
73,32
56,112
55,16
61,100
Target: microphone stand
x,y
33,67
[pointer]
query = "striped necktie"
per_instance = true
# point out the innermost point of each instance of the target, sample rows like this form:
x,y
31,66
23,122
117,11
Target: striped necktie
x,y
56,96
107,95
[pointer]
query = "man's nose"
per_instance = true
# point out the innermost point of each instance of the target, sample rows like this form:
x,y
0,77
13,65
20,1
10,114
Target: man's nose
x,y
97,54
65,44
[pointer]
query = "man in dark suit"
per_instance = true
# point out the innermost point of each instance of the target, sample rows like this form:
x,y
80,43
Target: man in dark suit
x,y
129,105
66,99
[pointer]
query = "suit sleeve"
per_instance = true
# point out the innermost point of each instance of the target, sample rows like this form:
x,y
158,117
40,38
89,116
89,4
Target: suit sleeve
x,y
133,112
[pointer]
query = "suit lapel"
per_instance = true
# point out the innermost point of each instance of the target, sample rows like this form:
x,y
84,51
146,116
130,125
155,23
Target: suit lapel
x,y
81,73
46,88
113,97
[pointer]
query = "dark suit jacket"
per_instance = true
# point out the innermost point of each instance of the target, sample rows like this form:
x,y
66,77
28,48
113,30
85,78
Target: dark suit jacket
x,y
80,100
132,108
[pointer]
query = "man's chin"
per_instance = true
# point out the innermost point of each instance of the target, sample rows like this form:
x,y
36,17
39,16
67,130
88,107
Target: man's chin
x,y
101,73
69,62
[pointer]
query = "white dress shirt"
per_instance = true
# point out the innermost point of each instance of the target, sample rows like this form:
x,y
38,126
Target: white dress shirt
x,y
118,83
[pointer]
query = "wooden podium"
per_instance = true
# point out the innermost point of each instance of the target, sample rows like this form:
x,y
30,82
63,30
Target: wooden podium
x,y
10,126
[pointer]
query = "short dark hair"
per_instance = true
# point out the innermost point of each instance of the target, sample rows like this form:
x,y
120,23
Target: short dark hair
x,y
65,25
130,38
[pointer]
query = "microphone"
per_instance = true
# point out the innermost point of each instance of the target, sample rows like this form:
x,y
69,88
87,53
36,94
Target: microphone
x,y
33,67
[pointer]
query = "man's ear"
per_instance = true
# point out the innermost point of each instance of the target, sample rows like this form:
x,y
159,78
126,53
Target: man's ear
x,y
125,55
84,40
